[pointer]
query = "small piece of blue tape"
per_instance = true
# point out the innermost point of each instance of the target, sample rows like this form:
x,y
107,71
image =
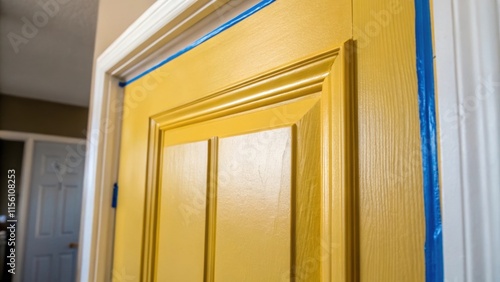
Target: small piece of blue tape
x,y
425,73
114,200
254,9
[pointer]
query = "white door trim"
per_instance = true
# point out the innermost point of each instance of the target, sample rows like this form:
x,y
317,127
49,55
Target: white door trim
x,y
467,40
29,140
144,37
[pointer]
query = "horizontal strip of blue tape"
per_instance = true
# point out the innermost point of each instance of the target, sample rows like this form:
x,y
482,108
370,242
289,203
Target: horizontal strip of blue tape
x,y
259,6
434,271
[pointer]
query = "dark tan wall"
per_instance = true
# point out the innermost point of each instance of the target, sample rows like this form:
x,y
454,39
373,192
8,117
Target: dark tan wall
x,y
36,116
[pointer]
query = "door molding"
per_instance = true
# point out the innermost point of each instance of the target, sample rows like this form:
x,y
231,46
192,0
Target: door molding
x,y
154,29
467,40
29,140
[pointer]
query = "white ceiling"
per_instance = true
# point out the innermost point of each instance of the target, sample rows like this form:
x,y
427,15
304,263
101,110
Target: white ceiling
x,y
55,64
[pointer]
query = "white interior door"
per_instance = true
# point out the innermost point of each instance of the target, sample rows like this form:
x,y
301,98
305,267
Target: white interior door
x,y
54,213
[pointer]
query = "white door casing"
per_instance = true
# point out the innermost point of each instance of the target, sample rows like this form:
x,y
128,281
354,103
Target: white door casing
x,y
467,40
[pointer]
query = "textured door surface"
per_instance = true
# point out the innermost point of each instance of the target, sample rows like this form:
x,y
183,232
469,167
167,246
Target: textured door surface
x,y
54,214
285,148
254,213
183,213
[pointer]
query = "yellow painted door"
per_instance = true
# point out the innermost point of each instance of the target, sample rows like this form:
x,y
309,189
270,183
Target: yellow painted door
x,y
260,155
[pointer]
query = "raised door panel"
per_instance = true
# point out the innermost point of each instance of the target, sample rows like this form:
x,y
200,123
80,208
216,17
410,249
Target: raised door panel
x,y
256,214
71,201
253,222
41,269
182,212
47,210
67,263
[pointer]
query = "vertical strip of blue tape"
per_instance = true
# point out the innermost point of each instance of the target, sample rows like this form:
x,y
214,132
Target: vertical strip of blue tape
x,y
114,200
425,73
254,9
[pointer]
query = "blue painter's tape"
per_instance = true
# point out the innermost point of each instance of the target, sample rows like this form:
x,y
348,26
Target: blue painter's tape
x,y
257,7
114,201
425,73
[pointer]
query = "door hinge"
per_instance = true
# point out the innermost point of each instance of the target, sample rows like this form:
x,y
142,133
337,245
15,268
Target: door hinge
x,y
114,201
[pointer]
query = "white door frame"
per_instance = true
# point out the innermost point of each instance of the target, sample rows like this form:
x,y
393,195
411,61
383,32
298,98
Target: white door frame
x,y
467,40
29,140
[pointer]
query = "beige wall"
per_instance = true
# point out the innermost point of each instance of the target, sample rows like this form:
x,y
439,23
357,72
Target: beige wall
x,y
114,16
